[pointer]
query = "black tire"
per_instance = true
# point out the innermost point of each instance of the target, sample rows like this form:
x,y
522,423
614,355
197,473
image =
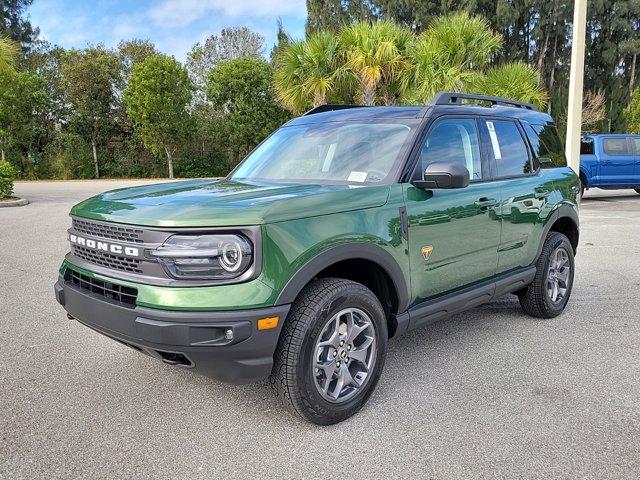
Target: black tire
x,y
535,299
581,189
293,378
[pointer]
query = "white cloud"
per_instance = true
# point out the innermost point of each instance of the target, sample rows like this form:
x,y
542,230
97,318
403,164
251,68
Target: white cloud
x,y
180,13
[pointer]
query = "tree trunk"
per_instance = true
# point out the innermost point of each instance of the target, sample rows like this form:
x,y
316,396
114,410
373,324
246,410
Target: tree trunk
x,y
169,161
633,74
369,95
95,157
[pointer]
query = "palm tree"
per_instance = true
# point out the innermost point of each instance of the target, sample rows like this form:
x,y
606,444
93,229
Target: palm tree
x,y
516,80
376,55
308,72
8,52
449,54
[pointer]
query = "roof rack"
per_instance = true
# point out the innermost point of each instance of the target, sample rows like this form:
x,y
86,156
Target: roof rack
x,y
329,108
452,98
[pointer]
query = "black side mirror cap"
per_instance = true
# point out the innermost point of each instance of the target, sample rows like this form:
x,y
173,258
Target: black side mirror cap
x,y
443,175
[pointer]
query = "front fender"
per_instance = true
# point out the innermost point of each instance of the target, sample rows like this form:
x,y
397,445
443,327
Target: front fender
x,y
347,251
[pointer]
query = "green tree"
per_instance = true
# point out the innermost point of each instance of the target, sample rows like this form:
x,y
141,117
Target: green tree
x,y
376,54
132,52
156,100
90,78
237,42
13,23
8,52
308,70
23,101
334,15
449,55
515,80
632,112
242,90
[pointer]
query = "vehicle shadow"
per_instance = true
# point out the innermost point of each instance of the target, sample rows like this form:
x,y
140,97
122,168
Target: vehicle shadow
x,y
409,355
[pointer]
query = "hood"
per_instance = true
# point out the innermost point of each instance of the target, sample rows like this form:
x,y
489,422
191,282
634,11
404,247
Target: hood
x,y
199,203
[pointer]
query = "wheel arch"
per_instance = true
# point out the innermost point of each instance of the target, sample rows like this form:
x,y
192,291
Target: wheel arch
x,y
563,220
364,263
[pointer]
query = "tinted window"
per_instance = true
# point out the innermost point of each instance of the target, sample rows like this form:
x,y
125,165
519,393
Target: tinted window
x,y
546,144
453,140
586,146
509,149
616,146
637,143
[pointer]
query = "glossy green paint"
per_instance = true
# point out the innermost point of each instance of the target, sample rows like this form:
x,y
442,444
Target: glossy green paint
x,y
241,296
222,203
470,243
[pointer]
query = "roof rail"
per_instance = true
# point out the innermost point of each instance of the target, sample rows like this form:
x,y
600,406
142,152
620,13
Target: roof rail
x,y
329,108
452,98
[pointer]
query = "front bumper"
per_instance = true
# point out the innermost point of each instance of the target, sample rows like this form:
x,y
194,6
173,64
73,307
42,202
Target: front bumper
x,y
195,340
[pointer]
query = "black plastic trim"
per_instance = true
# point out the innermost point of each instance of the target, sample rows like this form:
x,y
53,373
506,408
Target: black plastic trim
x,y
199,337
441,307
349,251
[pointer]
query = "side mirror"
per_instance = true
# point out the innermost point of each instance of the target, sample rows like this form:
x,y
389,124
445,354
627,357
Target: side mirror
x,y
443,175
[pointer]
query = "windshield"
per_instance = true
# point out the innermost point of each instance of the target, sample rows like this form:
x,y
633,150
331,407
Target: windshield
x,y
334,153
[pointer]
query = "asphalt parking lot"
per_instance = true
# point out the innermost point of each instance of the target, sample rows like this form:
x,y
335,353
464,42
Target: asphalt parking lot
x,y
490,393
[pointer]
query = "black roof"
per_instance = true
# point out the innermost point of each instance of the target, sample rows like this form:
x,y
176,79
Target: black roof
x,y
443,103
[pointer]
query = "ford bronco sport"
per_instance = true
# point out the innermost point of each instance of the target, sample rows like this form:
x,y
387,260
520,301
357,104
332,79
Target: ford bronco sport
x,y
346,227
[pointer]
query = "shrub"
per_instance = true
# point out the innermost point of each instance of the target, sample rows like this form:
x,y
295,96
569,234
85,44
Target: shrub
x,y
69,157
7,174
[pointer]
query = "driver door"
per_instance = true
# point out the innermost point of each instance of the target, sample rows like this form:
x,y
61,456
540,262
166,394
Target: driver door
x,y
453,234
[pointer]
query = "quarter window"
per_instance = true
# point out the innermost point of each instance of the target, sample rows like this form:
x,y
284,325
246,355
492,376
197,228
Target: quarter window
x,y
453,140
546,143
509,149
616,146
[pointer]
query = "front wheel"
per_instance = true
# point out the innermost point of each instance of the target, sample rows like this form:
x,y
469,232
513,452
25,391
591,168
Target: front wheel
x,y
331,351
550,290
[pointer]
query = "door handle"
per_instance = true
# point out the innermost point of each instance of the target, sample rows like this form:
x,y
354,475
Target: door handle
x,y
485,202
607,162
540,194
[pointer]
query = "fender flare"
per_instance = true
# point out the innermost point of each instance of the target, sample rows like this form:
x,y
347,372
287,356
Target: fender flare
x,y
347,251
565,210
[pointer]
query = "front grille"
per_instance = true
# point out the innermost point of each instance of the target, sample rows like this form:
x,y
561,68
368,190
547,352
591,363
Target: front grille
x,y
109,260
112,231
108,290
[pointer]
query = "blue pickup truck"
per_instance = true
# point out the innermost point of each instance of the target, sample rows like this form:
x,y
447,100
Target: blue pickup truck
x,y
610,161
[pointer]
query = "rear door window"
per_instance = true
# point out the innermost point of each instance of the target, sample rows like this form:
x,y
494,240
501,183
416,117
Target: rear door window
x,y
616,146
509,148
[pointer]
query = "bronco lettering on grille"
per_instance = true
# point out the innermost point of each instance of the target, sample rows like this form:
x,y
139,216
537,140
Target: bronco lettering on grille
x,y
104,246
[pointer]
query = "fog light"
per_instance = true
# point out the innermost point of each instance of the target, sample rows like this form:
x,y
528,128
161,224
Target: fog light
x,y
228,334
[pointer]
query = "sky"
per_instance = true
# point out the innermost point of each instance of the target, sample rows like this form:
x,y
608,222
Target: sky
x,y
173,25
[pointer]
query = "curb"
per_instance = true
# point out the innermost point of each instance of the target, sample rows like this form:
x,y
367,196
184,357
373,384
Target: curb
x,y
18,202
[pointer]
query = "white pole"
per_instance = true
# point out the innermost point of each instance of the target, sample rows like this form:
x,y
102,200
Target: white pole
x,y
576,81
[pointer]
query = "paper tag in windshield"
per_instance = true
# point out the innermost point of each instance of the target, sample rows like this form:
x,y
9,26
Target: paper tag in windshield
x,y
494,141
360,177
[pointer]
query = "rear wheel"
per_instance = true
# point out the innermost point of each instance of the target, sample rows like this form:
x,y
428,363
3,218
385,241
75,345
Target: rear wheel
x,y
331,351
548,294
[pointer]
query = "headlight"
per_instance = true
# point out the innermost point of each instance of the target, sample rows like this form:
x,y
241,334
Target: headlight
x,y
205,257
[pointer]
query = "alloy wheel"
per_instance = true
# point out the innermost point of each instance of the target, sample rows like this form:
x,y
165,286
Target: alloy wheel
x,y
344,355
558,275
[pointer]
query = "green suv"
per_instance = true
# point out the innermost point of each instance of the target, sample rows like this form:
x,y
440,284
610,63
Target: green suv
x,y
346,227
